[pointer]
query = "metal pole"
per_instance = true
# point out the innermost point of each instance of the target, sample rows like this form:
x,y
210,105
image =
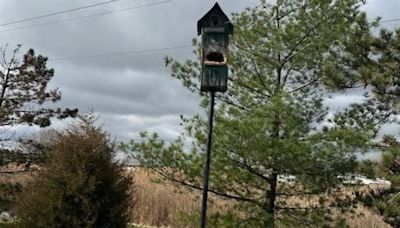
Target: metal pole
x,y
203,218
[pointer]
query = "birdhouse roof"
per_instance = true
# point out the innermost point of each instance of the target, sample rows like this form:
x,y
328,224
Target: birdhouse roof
x,y
206,18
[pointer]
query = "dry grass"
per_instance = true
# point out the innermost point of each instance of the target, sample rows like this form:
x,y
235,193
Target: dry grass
x,y
162,205
366,218
16,174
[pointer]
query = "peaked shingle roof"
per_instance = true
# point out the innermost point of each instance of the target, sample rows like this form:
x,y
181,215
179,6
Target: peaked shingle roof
x,y
216,9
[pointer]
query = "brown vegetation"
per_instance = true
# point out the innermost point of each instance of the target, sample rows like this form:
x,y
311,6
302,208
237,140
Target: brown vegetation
x,y
79,185
163,205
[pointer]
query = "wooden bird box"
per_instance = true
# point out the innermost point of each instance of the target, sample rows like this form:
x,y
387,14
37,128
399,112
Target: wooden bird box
x,y
215,28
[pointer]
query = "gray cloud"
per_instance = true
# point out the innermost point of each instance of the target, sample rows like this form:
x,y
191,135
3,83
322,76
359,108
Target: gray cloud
x,y
387,9
167,25
131,92
125,91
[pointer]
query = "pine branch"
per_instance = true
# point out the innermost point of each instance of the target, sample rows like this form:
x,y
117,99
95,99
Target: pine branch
x,y
316,79
222,194
249,168
249,88
294,10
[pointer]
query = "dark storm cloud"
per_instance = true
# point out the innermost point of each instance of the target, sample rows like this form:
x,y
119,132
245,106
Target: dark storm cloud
x,y
130,92
124,91
166,25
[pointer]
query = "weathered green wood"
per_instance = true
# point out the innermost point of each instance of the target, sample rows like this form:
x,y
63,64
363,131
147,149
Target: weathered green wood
x,y
215,28
208,20
214,78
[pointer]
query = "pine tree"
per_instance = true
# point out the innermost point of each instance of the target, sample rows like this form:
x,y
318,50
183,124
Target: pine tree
x,y
388,202
377,63
23,89
285,58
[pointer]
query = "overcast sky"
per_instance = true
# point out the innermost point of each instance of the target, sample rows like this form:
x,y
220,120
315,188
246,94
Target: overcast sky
x,y
130,92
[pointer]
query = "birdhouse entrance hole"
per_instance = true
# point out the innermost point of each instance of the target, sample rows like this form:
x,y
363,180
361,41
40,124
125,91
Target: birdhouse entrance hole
x,y
215,57
214,20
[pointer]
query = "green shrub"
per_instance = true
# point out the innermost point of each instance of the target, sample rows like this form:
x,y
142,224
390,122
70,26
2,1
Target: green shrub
x,y
80,185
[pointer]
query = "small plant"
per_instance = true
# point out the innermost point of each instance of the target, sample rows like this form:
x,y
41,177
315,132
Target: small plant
x,y
80,185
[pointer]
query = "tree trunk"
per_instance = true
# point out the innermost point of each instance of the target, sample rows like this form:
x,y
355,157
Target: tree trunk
x,y
270,201
4,88
273,181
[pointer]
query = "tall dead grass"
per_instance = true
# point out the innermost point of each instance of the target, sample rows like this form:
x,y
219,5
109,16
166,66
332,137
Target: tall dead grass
x,y
366,218
160,204
163,205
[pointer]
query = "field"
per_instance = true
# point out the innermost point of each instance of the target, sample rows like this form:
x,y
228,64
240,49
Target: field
x,y
164,205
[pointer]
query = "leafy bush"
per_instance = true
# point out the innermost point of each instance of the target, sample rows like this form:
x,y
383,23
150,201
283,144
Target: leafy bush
x,y
80,185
